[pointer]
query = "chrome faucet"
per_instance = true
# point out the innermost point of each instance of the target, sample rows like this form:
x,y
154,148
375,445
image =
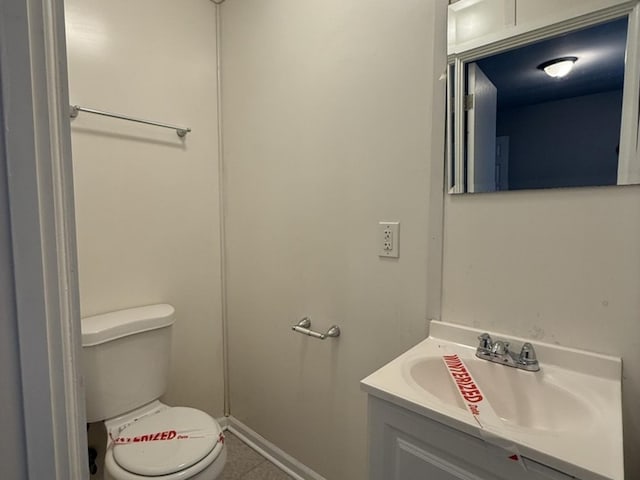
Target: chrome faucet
x,y
498,352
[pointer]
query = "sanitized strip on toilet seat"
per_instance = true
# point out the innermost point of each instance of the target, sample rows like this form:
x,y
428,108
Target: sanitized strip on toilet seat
x,y
166,435
478,406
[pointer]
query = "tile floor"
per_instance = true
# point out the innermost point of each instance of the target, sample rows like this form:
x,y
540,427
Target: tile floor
x,y
244,463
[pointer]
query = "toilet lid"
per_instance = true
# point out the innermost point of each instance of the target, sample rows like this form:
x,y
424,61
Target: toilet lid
x,y
166,442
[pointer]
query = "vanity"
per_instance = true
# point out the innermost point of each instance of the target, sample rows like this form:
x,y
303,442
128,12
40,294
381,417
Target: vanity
x,y
561,422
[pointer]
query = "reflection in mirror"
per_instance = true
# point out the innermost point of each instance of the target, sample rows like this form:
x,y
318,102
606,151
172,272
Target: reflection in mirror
x,y
528,127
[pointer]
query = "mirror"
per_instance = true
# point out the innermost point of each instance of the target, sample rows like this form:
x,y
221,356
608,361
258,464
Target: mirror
x,y
544,114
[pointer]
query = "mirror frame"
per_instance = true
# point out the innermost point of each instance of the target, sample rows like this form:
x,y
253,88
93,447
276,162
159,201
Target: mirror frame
x,y
629,156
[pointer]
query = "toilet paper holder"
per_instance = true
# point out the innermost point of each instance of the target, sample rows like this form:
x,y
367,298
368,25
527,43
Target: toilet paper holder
x,y
304,327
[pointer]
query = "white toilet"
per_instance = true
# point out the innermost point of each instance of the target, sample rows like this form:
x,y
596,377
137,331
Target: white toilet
x,y
126,362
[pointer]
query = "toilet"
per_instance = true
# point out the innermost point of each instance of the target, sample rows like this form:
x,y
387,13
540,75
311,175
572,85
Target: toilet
x,y
126,358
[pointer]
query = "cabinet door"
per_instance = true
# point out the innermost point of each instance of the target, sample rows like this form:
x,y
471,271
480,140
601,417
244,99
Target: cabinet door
x,y
414,462
407,446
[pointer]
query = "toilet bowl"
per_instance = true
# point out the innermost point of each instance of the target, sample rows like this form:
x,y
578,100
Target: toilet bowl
x,y
195,452
126,361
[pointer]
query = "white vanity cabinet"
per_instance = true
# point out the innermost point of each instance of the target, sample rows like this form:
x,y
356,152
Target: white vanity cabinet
x,y
565,419
406,446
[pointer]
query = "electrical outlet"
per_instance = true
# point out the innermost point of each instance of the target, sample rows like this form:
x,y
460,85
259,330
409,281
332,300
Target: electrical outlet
x,y
389,239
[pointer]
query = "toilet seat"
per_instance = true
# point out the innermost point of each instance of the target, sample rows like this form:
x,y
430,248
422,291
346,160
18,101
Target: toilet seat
x,y
200,456
168,442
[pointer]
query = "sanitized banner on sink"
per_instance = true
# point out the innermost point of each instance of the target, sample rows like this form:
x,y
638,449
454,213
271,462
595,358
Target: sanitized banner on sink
x,y
479,407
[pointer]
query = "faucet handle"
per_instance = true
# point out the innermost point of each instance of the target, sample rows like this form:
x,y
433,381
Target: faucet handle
x,y
528,354
485,342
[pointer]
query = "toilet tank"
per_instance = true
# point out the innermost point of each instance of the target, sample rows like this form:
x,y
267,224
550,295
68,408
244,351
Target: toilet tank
x,y
125,359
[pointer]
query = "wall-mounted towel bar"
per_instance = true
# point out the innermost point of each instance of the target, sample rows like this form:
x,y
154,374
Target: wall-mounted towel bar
x,y
74,109
304,327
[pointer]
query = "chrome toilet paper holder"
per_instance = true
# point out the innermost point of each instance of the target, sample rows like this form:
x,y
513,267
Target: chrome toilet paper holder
x,y
304,327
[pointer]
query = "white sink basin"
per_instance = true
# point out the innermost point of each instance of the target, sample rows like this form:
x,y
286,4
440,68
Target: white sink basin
x,y
528,400
567,416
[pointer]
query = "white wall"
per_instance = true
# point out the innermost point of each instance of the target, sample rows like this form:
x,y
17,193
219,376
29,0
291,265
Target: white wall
x,y
146,201
562,266
328,110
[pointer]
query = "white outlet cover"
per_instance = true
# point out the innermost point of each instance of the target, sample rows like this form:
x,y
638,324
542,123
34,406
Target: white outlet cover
x,y
389,239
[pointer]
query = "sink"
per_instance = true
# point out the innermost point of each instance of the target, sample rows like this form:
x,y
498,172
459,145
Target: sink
x,y
521,399
567,416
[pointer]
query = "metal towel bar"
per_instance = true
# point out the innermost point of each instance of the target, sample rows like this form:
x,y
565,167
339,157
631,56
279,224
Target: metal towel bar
x,y
304,327
181,131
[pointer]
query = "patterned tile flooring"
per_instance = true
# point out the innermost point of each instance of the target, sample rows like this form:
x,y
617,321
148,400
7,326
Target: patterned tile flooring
x,y
244,463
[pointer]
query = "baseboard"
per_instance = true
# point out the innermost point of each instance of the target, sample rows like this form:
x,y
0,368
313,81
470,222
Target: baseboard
x,y
264,447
